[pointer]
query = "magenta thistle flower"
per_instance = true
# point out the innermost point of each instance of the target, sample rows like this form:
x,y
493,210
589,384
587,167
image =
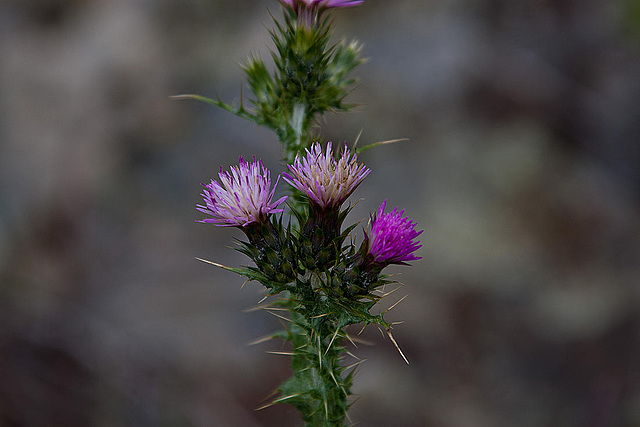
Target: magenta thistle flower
x,y
326,181
392,238
312,4
242,196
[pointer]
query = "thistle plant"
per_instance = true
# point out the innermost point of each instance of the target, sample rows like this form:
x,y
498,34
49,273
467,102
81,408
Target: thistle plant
x,y
300,248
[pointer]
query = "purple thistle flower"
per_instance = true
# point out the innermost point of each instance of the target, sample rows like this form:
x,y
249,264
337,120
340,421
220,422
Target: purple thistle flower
x,y
326,181
312,4
242,196
392,237
309,12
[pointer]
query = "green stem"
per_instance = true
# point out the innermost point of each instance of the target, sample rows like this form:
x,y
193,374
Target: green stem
x,y
297,123
317,387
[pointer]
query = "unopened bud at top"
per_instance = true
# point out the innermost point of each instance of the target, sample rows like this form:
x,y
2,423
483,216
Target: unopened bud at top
x,y
316,4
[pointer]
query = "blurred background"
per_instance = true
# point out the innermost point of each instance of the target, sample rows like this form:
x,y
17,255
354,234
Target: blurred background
x,y
522,167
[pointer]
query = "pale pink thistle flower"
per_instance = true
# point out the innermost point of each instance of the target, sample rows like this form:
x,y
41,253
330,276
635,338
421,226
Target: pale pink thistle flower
x,y
391,239
327,182
241,196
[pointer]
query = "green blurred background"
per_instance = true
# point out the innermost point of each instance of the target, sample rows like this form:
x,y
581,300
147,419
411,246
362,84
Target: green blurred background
x,y
522,167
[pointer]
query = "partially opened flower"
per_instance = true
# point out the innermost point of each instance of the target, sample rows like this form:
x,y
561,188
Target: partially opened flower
x,y
326,181
242,196
310,4
392,237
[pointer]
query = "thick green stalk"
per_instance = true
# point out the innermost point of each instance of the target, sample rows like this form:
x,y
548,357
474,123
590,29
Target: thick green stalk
x,y
298,121
317,387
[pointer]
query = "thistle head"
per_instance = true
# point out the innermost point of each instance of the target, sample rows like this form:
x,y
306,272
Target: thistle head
x,y
308,12
327,182
241,196
297,5
392,238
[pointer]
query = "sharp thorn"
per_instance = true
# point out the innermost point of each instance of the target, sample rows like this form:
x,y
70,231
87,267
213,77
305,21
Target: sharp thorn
x,y
351,340
398,302
281,399
391,141
361,341
277,315
386,294
352,355
357,139
331,342
381,333
353,365
319,316
266,308
282,353
212,263
334,378
397,346
261,340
